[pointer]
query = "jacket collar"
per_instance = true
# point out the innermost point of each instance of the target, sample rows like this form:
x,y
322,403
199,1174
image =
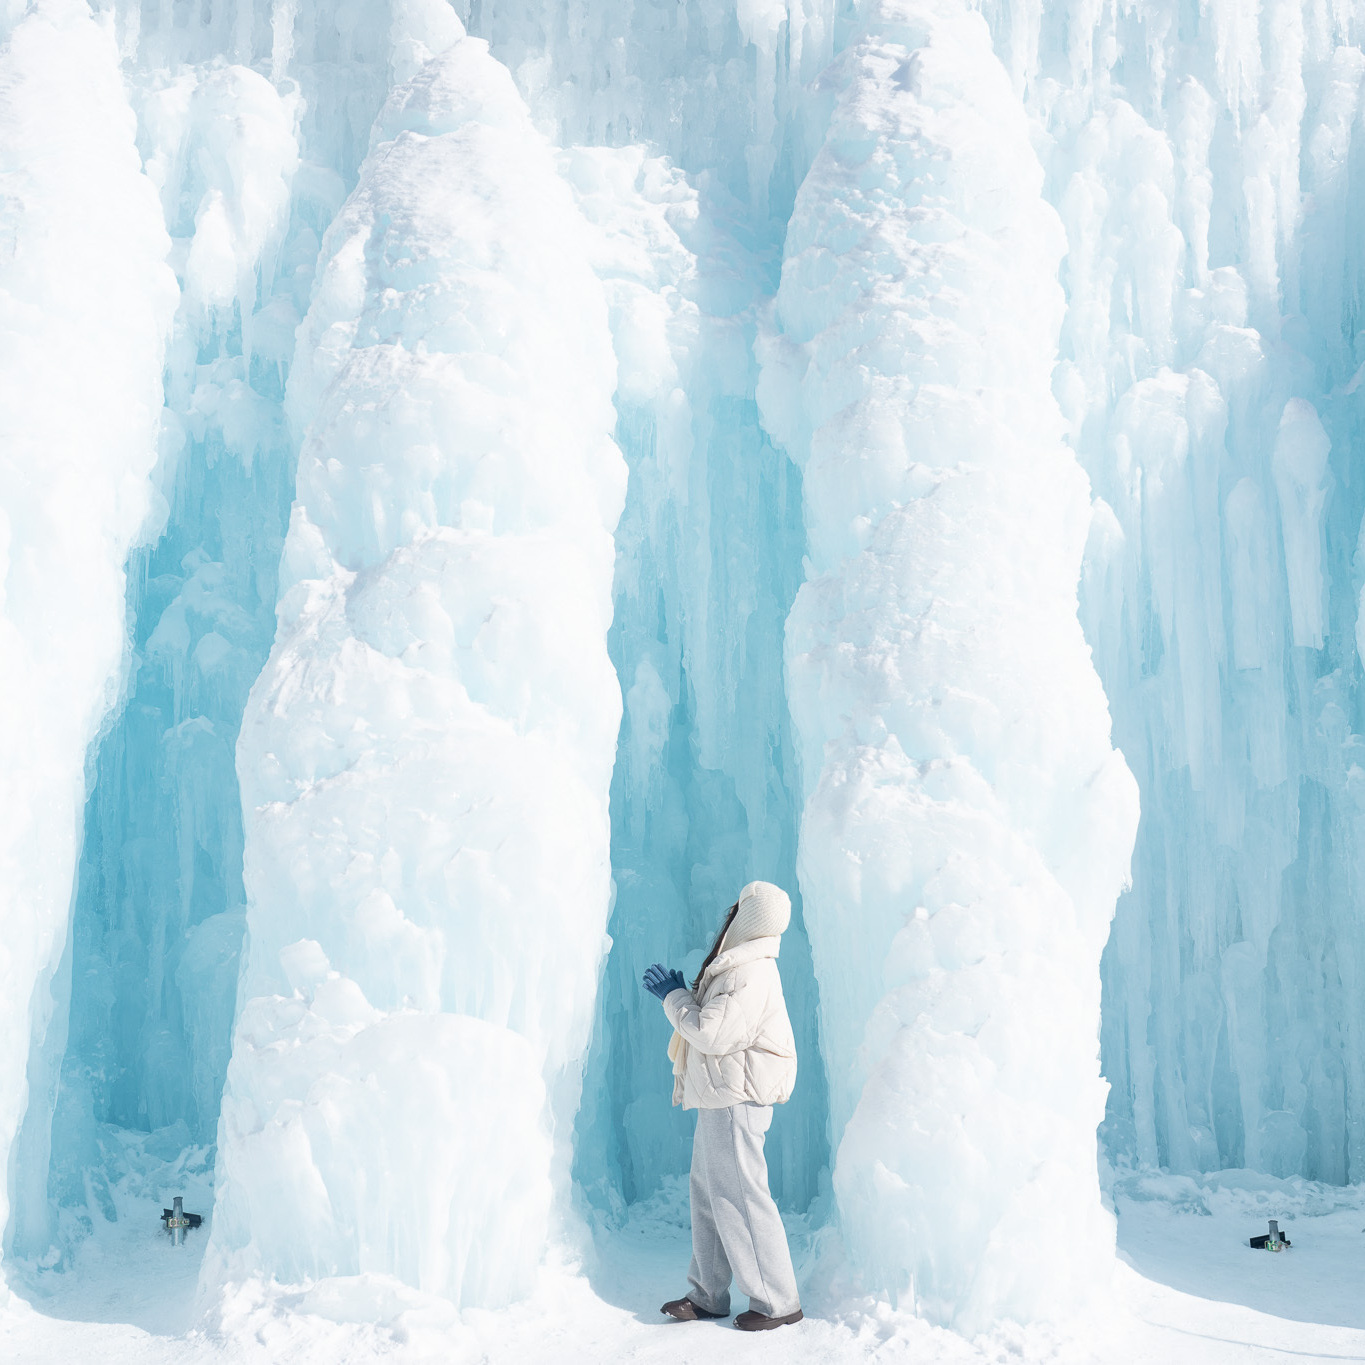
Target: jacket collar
x,y
741,953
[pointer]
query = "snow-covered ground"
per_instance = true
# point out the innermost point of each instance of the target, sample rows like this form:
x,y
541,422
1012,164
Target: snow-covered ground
x,y
1188,1290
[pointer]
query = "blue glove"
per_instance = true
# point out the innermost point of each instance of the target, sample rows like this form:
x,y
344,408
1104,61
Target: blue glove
x,y
659,982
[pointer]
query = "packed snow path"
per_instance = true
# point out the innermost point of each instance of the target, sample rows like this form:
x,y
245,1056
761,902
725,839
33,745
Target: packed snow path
x,y
1189,1291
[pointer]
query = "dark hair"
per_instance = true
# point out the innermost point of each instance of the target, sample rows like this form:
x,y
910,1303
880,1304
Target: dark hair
x,y
715,947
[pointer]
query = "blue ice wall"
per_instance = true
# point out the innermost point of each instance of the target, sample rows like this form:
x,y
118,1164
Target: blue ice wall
x,y
704,796
251,129
1208,173
690,828
266,110
1207,165
158,918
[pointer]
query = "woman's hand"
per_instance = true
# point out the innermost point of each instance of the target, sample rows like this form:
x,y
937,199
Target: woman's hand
x,y
659,982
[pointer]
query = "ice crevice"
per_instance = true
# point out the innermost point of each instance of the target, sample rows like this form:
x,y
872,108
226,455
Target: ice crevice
x,y
707,565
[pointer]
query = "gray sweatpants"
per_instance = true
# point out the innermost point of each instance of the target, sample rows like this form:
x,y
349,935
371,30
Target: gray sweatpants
x,y
736,1229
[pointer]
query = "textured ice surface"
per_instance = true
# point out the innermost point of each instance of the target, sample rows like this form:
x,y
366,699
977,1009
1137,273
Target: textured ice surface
x,y
967,824
249,171
1205,164
707,564
425,758
157,918
85,307
1204,161
722,88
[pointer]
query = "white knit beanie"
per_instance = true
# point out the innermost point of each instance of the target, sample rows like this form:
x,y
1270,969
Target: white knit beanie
x,y
764,911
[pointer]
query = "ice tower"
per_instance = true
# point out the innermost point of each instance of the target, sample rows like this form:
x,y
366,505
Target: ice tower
x,y
967,824
426,756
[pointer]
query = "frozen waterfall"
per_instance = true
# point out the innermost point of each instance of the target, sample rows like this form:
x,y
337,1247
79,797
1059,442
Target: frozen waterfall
x,y
481,481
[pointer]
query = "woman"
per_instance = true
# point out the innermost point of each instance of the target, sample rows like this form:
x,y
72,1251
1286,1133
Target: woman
x,y
734,1057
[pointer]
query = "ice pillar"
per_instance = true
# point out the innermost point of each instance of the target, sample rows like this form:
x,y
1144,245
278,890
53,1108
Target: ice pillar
x,y
967,824
86,301
425,760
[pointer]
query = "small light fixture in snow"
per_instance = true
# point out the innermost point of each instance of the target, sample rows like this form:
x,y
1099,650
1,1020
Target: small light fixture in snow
x,y
177,1220
1271,1241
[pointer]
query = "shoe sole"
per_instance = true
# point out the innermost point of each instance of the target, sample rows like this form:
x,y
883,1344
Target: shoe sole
x,y
769,1323
697,1315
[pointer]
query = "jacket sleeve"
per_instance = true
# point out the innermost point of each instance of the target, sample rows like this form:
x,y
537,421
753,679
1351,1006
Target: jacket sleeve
x,y
726,1022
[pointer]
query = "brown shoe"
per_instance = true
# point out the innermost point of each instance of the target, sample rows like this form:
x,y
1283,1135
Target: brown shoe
x,y
756,1322
687,1311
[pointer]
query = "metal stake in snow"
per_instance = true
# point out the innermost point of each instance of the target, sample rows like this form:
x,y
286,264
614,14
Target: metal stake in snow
x,y
177,1220
1274,1240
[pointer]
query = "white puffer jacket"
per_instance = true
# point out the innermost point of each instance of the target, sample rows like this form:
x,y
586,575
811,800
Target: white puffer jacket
x,y
734,1040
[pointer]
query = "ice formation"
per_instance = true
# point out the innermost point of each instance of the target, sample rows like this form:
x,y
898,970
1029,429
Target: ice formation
x,y
703,790
446,311
967,824
1204,166
436,724
249,172
157,920
85,308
